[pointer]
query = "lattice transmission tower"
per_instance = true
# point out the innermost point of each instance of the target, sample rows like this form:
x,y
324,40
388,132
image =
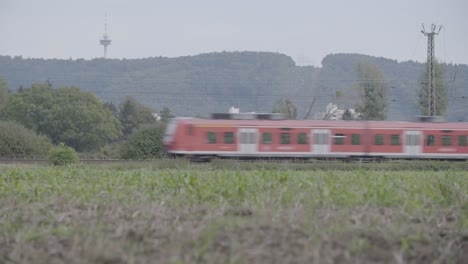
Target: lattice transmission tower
x,y
430,67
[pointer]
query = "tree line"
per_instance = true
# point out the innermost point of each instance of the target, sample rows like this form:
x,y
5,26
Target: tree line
x,y
34,119
371,88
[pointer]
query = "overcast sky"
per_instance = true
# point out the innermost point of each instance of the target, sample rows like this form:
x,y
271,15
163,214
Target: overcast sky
x,y
305,30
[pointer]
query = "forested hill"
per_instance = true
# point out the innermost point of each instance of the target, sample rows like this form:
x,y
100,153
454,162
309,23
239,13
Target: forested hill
x,y
253,81
403,81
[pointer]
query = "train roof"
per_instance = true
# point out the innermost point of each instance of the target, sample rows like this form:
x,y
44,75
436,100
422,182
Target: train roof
x,y
324,123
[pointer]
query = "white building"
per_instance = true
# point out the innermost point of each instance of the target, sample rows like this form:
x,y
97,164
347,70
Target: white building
x,y
233,110
334,113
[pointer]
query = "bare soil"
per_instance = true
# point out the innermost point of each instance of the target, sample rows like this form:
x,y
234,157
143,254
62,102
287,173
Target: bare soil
x,y
55,231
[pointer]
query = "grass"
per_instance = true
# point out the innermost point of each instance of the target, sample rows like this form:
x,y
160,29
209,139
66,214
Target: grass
x,y
312,165
230,212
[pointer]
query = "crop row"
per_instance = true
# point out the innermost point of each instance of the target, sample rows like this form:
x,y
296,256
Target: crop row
x,y
254,188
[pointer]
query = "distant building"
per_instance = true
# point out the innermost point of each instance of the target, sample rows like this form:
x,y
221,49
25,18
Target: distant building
x,y
334,113
233,110
156,116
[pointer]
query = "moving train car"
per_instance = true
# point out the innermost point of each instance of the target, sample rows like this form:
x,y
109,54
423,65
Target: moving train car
x,y
270,136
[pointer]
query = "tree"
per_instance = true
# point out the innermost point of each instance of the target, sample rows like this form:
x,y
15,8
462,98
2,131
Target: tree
x,y
80,120
16,141
144,143
66,115
133,114
372,89
3,93
166,114
111,107
440,92
286,107
347,115
30,107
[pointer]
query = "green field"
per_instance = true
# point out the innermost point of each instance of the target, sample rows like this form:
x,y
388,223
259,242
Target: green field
x,y
232,212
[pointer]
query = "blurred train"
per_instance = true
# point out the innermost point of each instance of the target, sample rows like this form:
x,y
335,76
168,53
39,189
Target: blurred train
x,y
254,135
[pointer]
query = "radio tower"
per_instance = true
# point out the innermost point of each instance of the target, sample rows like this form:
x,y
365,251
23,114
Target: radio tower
x,y
430,67
105,41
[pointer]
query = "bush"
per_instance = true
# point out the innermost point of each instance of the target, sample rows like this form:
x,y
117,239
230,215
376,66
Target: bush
x,y
109,151
62,155
144,143
16,141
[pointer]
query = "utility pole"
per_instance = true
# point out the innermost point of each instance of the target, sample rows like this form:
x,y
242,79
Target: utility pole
x,y
430,67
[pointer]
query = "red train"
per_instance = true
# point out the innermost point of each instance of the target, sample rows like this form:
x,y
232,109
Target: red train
x,y
267,136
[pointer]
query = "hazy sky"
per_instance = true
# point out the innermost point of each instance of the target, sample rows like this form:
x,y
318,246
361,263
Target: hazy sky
x,y
304,30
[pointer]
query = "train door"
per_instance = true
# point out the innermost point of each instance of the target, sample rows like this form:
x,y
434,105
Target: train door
x,y
413,144
247,140
320,141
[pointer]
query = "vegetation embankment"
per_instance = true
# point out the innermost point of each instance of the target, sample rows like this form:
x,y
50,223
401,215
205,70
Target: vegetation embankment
x,y
34,118
177,213
286,165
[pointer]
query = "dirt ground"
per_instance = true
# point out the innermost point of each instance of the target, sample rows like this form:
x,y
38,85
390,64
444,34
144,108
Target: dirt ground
x,y
64,232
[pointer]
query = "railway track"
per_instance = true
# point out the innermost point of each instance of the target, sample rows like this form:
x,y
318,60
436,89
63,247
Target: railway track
x,y
45,161
116,161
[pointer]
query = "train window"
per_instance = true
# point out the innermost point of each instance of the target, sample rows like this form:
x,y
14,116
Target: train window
x,y
395,140
302,138
379,139
228,137
211,138
430,140
355,139
267,138
285,138
320,138
446,140
462,141
339,139
247,137
252,138
412,140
